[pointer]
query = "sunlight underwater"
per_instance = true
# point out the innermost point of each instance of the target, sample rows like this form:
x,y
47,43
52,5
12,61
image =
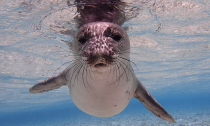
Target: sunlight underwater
x,y
169,45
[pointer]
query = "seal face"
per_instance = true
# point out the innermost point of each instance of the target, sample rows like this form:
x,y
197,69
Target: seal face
x,y
101,80
99,43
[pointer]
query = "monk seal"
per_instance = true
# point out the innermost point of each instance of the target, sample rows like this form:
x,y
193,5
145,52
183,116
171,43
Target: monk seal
x,y
101,79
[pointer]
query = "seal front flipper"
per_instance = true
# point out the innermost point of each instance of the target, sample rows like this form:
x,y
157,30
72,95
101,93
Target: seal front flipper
x,y
151,104
49,84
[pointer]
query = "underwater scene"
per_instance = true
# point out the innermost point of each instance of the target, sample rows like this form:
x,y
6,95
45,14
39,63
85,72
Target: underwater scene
x,y
169,53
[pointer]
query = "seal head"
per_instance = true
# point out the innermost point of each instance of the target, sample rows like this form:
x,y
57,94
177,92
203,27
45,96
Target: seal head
x,y
99,43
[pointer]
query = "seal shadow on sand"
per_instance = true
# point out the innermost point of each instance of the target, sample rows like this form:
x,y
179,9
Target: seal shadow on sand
x,y
101,80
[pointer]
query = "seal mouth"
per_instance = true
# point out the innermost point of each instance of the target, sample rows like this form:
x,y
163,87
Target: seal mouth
x,y
101,62
98,65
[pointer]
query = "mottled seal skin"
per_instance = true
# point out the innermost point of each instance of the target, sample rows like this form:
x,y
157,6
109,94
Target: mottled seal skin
x,y
101,80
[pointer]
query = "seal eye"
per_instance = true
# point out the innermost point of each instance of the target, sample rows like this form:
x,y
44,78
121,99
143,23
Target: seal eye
x,y
116,37
82,40
85,37
112,33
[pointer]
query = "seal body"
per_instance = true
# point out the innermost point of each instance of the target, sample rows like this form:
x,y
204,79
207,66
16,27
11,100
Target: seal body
x,y
101,93
104,86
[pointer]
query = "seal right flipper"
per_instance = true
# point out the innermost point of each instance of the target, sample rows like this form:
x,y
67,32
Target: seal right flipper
x,y
151,104
49,84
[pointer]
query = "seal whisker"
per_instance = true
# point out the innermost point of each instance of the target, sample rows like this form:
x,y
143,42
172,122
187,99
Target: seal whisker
x,y
128,60
114,71
70,68
78,71
116,65
130,69
83,78
118,72
111,71
124,52
88,70
125,71
75,67
84,72
64,64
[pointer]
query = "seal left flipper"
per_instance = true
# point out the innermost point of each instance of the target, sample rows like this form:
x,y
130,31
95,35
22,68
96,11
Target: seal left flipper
x,y
49,84
151,104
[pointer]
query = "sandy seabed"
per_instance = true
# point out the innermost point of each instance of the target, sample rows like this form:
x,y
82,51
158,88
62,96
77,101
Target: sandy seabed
x,y
199,117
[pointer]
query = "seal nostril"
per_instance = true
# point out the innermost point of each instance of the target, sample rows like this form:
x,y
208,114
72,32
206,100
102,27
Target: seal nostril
x,y
82,40
117,38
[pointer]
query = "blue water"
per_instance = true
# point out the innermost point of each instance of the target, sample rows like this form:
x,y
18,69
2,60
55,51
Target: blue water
x,y
170,45
187,109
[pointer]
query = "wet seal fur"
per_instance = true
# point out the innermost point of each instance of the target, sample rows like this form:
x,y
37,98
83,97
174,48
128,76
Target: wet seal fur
x,y
101,80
